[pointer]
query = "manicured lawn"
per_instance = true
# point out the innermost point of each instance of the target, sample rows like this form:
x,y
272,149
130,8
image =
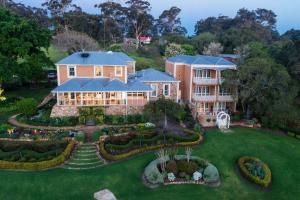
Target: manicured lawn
x,y
281,153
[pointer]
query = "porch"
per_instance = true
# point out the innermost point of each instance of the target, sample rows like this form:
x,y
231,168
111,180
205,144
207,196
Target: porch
x,y
101,98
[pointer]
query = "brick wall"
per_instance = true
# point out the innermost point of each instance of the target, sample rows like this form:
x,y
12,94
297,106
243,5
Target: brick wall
x,y
173,90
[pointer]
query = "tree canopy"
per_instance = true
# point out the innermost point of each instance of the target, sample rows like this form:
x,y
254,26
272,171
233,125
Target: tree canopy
x,y
21,50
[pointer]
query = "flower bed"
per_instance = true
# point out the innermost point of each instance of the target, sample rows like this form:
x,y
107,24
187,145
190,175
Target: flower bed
x,y
122,146
181,171
61,158
9,132
255,171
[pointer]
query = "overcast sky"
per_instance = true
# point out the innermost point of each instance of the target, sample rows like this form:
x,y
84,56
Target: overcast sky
x,y
288,14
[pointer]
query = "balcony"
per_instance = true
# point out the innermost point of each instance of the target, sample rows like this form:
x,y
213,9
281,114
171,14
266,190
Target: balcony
x,y
226,98
205,81
205,98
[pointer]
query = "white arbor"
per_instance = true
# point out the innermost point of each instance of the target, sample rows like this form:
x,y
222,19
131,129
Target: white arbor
x,y
223,120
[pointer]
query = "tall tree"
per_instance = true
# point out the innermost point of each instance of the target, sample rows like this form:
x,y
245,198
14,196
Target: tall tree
x,y
139,18
169,22
263,84
21,53
57,9
113,20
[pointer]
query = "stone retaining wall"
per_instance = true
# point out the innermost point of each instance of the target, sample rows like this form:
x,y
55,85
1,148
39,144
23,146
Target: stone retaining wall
x,y
64,111
69,111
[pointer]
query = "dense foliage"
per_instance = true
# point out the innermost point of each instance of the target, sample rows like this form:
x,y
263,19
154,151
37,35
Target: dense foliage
x,y
28,107
21,55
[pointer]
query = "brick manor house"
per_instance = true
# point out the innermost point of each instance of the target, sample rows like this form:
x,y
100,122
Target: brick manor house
x,y
109,79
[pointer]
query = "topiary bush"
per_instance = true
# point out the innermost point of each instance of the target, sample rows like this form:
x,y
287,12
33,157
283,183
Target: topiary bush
x,y
171,167
211,174
187,167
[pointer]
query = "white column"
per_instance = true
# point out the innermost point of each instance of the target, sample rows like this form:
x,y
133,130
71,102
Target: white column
x,y
81,99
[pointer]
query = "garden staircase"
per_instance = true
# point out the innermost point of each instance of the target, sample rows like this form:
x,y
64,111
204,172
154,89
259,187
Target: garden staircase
x,y
84,157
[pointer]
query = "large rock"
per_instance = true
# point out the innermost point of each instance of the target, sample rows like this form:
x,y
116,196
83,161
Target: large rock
x,y
104,195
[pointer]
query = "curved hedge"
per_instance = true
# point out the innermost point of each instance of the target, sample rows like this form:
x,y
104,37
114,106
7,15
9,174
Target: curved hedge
x,y
244,171
112,157
40,165
136,141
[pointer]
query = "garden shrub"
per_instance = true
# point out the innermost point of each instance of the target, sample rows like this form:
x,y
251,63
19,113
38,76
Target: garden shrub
x,y
210,174
27,106
172,167
152,173
291,134
80,136
187,167
4,128
267,178
40,165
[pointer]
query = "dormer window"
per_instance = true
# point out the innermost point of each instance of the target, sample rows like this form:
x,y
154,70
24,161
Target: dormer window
x,y
118,71
71,71
99,71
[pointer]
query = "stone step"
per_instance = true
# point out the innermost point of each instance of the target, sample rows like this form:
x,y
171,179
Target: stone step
x,y
85,159
83,168
86,151
84,163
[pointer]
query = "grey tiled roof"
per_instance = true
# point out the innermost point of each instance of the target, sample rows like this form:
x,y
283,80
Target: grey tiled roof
x,y
200,60
100,85
150,74
97,58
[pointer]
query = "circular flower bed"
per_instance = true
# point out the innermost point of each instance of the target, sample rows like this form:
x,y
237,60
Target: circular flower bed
x,y
181,171
255,171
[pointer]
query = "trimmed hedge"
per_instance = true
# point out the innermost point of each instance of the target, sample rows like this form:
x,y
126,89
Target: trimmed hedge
x,y
40,165
244,171
111,157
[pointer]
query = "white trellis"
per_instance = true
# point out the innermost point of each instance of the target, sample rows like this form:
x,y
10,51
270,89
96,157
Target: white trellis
x,y
223,120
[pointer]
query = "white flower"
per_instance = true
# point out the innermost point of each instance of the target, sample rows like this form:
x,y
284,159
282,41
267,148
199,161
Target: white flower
x,y
197,176
171,177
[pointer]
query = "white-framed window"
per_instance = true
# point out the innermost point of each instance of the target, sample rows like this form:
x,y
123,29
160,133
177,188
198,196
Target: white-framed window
x,y
99,71
166,90
222,106
71,71
154,92
118,71
223,91
202,73
202,91
203,107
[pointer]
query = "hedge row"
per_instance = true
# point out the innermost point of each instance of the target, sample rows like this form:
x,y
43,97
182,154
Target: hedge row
x,y
111,157
40,165
137,141
244,171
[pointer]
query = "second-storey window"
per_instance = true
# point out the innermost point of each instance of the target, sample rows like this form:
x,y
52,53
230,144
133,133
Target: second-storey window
x,y
118,71
98,71
202,73
154,92
71,71
202,90
166,90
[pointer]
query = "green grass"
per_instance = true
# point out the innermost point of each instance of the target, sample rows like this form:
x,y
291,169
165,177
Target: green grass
x,y
38,94
146,62
55,54
281,153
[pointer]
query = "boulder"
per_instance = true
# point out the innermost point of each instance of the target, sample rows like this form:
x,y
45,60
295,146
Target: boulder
x,y
104,195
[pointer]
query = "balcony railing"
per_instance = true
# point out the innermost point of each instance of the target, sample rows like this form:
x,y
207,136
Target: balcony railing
x,y
205,81
225,98
198,97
